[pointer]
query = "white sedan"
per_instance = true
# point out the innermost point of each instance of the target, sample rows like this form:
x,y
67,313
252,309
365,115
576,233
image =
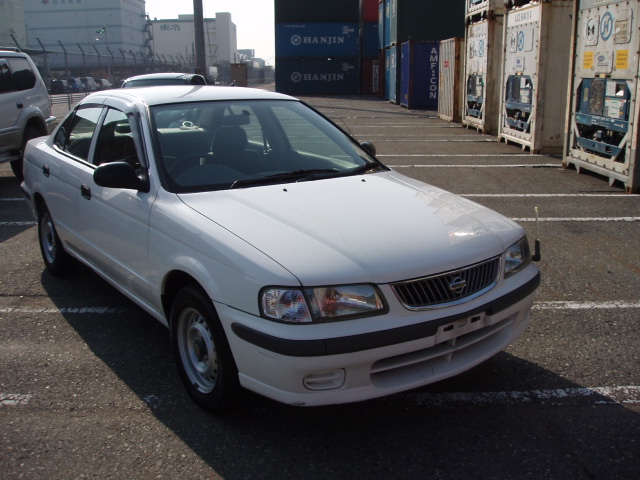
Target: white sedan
x,y
282,256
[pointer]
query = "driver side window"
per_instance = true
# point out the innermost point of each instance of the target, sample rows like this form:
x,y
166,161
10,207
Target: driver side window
x,y
115,142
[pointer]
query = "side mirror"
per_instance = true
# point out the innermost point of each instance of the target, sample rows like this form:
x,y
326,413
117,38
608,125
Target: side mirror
x,y
369,147
119,175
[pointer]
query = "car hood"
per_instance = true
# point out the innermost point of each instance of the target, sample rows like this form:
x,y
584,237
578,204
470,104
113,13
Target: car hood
x,y
376,228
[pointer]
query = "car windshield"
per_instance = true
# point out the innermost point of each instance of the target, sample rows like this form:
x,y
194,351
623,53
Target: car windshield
x,y
222,145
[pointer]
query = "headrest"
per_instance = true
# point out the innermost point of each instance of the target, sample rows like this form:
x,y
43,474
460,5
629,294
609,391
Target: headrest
x,y
229,139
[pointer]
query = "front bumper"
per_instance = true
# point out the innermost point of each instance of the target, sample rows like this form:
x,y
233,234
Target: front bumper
x,y
374,364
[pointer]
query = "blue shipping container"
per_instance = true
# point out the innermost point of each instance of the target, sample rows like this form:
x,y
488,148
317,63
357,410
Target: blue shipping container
x,y
318,76
370,40
420,75
388,4
391,74
317,40
381,24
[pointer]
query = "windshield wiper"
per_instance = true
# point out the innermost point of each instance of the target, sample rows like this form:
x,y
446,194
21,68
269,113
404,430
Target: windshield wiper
x,y
305,175
277,177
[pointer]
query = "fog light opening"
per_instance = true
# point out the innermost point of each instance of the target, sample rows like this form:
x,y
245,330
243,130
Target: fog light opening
x,y
325,380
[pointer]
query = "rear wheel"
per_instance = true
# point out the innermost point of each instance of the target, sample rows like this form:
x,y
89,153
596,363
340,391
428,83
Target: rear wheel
x,y
55,257
201,350
16,165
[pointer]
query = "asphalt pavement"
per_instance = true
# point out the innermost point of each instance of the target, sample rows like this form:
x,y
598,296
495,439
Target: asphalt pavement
x,y
88,386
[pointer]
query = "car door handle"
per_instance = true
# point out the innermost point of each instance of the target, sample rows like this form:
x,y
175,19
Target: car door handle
x,y
86,192
45,170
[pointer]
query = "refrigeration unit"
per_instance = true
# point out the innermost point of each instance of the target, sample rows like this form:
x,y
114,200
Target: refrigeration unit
x,y
603,116
535,76
482,74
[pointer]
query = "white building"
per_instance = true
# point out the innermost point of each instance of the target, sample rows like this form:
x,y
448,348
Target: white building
x,y
91,26
12,28
173,38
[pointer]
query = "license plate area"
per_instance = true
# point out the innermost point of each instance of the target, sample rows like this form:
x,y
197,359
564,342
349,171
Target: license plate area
x,y
461,327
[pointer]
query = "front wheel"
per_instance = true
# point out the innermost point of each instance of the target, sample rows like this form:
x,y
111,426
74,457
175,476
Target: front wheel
x,y
201,350
55,257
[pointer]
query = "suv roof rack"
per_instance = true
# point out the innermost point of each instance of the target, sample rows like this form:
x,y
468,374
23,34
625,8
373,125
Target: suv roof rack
x,y
10,49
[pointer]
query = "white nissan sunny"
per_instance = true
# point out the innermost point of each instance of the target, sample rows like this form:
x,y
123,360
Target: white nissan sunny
x,y
281,254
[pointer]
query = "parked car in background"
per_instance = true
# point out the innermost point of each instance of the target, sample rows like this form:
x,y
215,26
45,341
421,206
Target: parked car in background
x,y
76,85
104,84
282,255
25,107
153,79
58,86
90,84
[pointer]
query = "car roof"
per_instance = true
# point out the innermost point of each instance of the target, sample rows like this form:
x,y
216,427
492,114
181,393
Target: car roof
x,y
165,94
164,75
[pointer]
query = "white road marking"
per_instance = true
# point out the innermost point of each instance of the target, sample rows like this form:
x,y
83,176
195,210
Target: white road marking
x,y
549,195
479,155
621,395
13,399
517,165
17,224
548,305
63,310
613,305
579,219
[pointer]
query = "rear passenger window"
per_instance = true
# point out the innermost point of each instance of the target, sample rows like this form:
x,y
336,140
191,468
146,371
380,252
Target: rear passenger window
x,y
7,82
75,135
23,75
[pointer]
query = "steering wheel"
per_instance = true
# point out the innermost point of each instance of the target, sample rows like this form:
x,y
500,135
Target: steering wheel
x,y
188,161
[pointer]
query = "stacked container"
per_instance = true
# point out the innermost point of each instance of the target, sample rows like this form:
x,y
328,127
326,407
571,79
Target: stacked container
x,y
451,91
419,75
370,46
484,34
603,115
535,75
317,47
415,21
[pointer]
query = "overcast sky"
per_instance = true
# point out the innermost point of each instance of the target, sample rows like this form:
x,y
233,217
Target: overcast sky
x,y
253,19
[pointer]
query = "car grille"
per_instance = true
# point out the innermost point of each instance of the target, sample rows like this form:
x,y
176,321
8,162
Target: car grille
x,y
449,287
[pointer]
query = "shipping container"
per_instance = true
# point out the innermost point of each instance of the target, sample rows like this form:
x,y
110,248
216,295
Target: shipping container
x,y
369,11
382,80
483,75
425,20
478,9
381,23
317,40
535,76
451,85
318,76
386,22
392,75
369,40
370,76
603,117
419,75
316,11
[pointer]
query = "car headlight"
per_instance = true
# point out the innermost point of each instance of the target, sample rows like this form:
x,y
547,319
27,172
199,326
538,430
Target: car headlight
x,y
321,304
517,257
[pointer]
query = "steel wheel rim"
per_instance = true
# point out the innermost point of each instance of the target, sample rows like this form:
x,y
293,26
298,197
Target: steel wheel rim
x,y
48,238
197,350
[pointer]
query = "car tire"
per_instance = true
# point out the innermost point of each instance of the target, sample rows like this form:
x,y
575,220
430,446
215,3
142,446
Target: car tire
x,y
16,165
56,258
201,350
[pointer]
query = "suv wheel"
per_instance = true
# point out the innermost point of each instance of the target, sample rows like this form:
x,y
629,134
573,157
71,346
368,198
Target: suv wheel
x,y
16,165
